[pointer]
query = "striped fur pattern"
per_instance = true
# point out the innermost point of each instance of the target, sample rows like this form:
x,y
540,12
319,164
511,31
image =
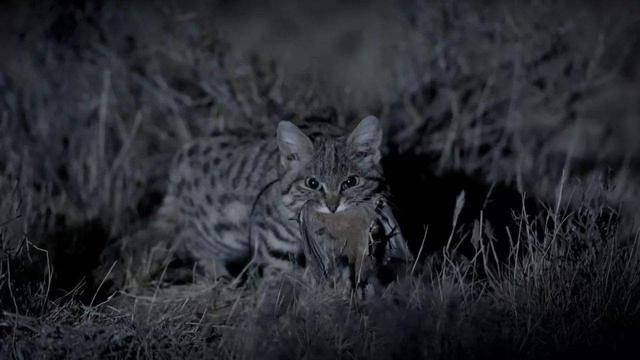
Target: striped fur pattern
x,y
241,195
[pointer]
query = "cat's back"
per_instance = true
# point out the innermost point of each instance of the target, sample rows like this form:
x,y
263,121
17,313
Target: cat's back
x,y
223,164
234,162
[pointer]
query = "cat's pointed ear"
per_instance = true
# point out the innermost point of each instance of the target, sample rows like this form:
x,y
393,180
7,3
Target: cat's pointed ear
x,y
365,140
295,147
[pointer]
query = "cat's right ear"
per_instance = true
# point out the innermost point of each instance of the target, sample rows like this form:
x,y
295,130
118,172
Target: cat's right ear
x,y
295,147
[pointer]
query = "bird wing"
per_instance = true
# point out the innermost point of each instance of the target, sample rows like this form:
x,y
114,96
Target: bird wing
x,y
318,258
396,245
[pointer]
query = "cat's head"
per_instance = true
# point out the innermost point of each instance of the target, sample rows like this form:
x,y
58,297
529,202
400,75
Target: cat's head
x,y
333,174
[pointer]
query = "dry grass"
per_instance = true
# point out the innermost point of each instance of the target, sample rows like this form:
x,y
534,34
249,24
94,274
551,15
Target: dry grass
x,y
95,99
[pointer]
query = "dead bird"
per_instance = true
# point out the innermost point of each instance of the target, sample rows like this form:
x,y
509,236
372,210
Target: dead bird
x,y
357,246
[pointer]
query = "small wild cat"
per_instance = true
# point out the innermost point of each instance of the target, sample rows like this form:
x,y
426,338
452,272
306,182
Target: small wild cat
x,y
242,197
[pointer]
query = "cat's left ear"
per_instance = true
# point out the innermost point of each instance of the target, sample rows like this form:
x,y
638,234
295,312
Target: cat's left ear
x,y
295,147
365,140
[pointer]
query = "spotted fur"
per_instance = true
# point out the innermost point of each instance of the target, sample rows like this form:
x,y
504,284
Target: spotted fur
x,y
240,195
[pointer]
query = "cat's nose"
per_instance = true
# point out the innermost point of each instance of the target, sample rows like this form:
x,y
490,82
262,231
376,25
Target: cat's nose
x,y
332,203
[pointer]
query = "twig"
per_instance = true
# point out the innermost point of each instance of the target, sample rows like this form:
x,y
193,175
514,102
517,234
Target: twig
x,y
424,238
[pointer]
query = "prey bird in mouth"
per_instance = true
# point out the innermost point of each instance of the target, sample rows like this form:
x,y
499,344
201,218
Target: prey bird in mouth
x,y
356,246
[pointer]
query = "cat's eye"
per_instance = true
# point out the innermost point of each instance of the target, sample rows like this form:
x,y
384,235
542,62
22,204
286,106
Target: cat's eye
x,y
360,155
350,182
312,183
